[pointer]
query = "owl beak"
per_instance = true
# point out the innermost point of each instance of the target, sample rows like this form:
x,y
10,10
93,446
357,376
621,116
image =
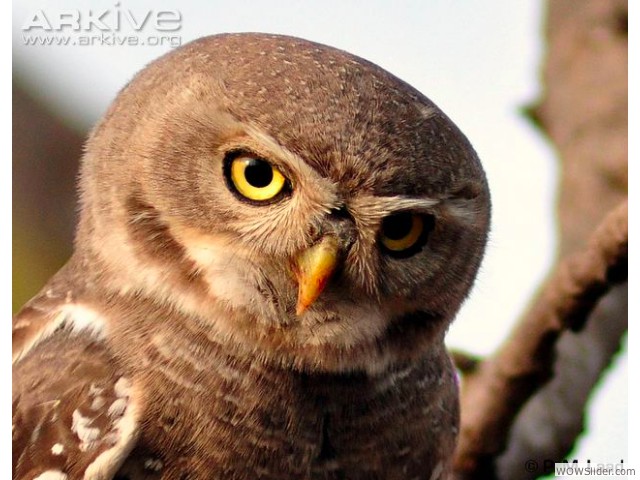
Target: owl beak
x,y
313,268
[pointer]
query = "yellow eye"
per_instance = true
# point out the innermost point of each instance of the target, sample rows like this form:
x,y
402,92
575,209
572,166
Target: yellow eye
x,y
404,233
255,179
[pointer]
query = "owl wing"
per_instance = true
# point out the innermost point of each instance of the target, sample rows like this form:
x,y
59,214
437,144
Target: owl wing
x,y
74,413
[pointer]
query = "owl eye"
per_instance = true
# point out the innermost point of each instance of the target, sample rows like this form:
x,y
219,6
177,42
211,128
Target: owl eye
x,y
255,178
403,234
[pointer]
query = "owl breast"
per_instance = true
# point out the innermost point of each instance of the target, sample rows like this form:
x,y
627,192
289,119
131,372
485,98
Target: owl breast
x,y
237,418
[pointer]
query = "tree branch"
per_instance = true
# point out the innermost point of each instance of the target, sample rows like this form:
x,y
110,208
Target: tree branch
x,y
465,362
493,395
582,110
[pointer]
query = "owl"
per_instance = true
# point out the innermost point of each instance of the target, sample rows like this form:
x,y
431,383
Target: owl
x,y
274,237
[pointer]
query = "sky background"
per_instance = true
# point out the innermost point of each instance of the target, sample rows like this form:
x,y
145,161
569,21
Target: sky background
x,y
478,61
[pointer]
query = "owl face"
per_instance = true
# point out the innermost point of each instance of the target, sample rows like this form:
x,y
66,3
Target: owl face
x,y
302,202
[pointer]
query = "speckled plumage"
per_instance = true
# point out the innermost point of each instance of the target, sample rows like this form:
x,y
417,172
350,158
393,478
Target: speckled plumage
x,y
169,346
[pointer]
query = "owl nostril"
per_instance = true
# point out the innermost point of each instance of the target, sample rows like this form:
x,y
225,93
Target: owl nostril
x,y
348,239
314,232
341,212
341,224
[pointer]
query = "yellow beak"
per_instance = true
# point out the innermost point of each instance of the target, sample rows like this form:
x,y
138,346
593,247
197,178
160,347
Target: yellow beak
x,y
314,268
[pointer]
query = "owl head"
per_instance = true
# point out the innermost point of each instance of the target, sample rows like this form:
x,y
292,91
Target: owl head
x,y
296,200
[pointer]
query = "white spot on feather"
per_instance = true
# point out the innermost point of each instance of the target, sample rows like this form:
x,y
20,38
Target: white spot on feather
x,y
425,111
117,408
84,318
21,324
95,390
80,425
108,462
97,403
122,387
79,317
152,464
51,475
57,448
43,334
437,472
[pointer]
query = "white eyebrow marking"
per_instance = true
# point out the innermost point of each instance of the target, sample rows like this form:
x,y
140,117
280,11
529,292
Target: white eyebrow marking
x,y
407,203
369,206
467,211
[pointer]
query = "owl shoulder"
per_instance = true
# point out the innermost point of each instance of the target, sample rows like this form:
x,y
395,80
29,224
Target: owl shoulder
x,y
75,411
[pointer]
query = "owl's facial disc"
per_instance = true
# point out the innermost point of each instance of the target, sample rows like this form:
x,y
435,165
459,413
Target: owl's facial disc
x,y
303,203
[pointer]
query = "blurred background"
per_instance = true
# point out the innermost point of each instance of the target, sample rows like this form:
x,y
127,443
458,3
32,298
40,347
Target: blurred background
x,y
478,61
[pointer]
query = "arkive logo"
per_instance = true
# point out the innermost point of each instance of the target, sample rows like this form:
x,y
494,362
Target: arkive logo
x,y
114,19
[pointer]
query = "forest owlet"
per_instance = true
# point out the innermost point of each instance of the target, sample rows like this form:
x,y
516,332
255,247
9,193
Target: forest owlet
x,y
274,237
